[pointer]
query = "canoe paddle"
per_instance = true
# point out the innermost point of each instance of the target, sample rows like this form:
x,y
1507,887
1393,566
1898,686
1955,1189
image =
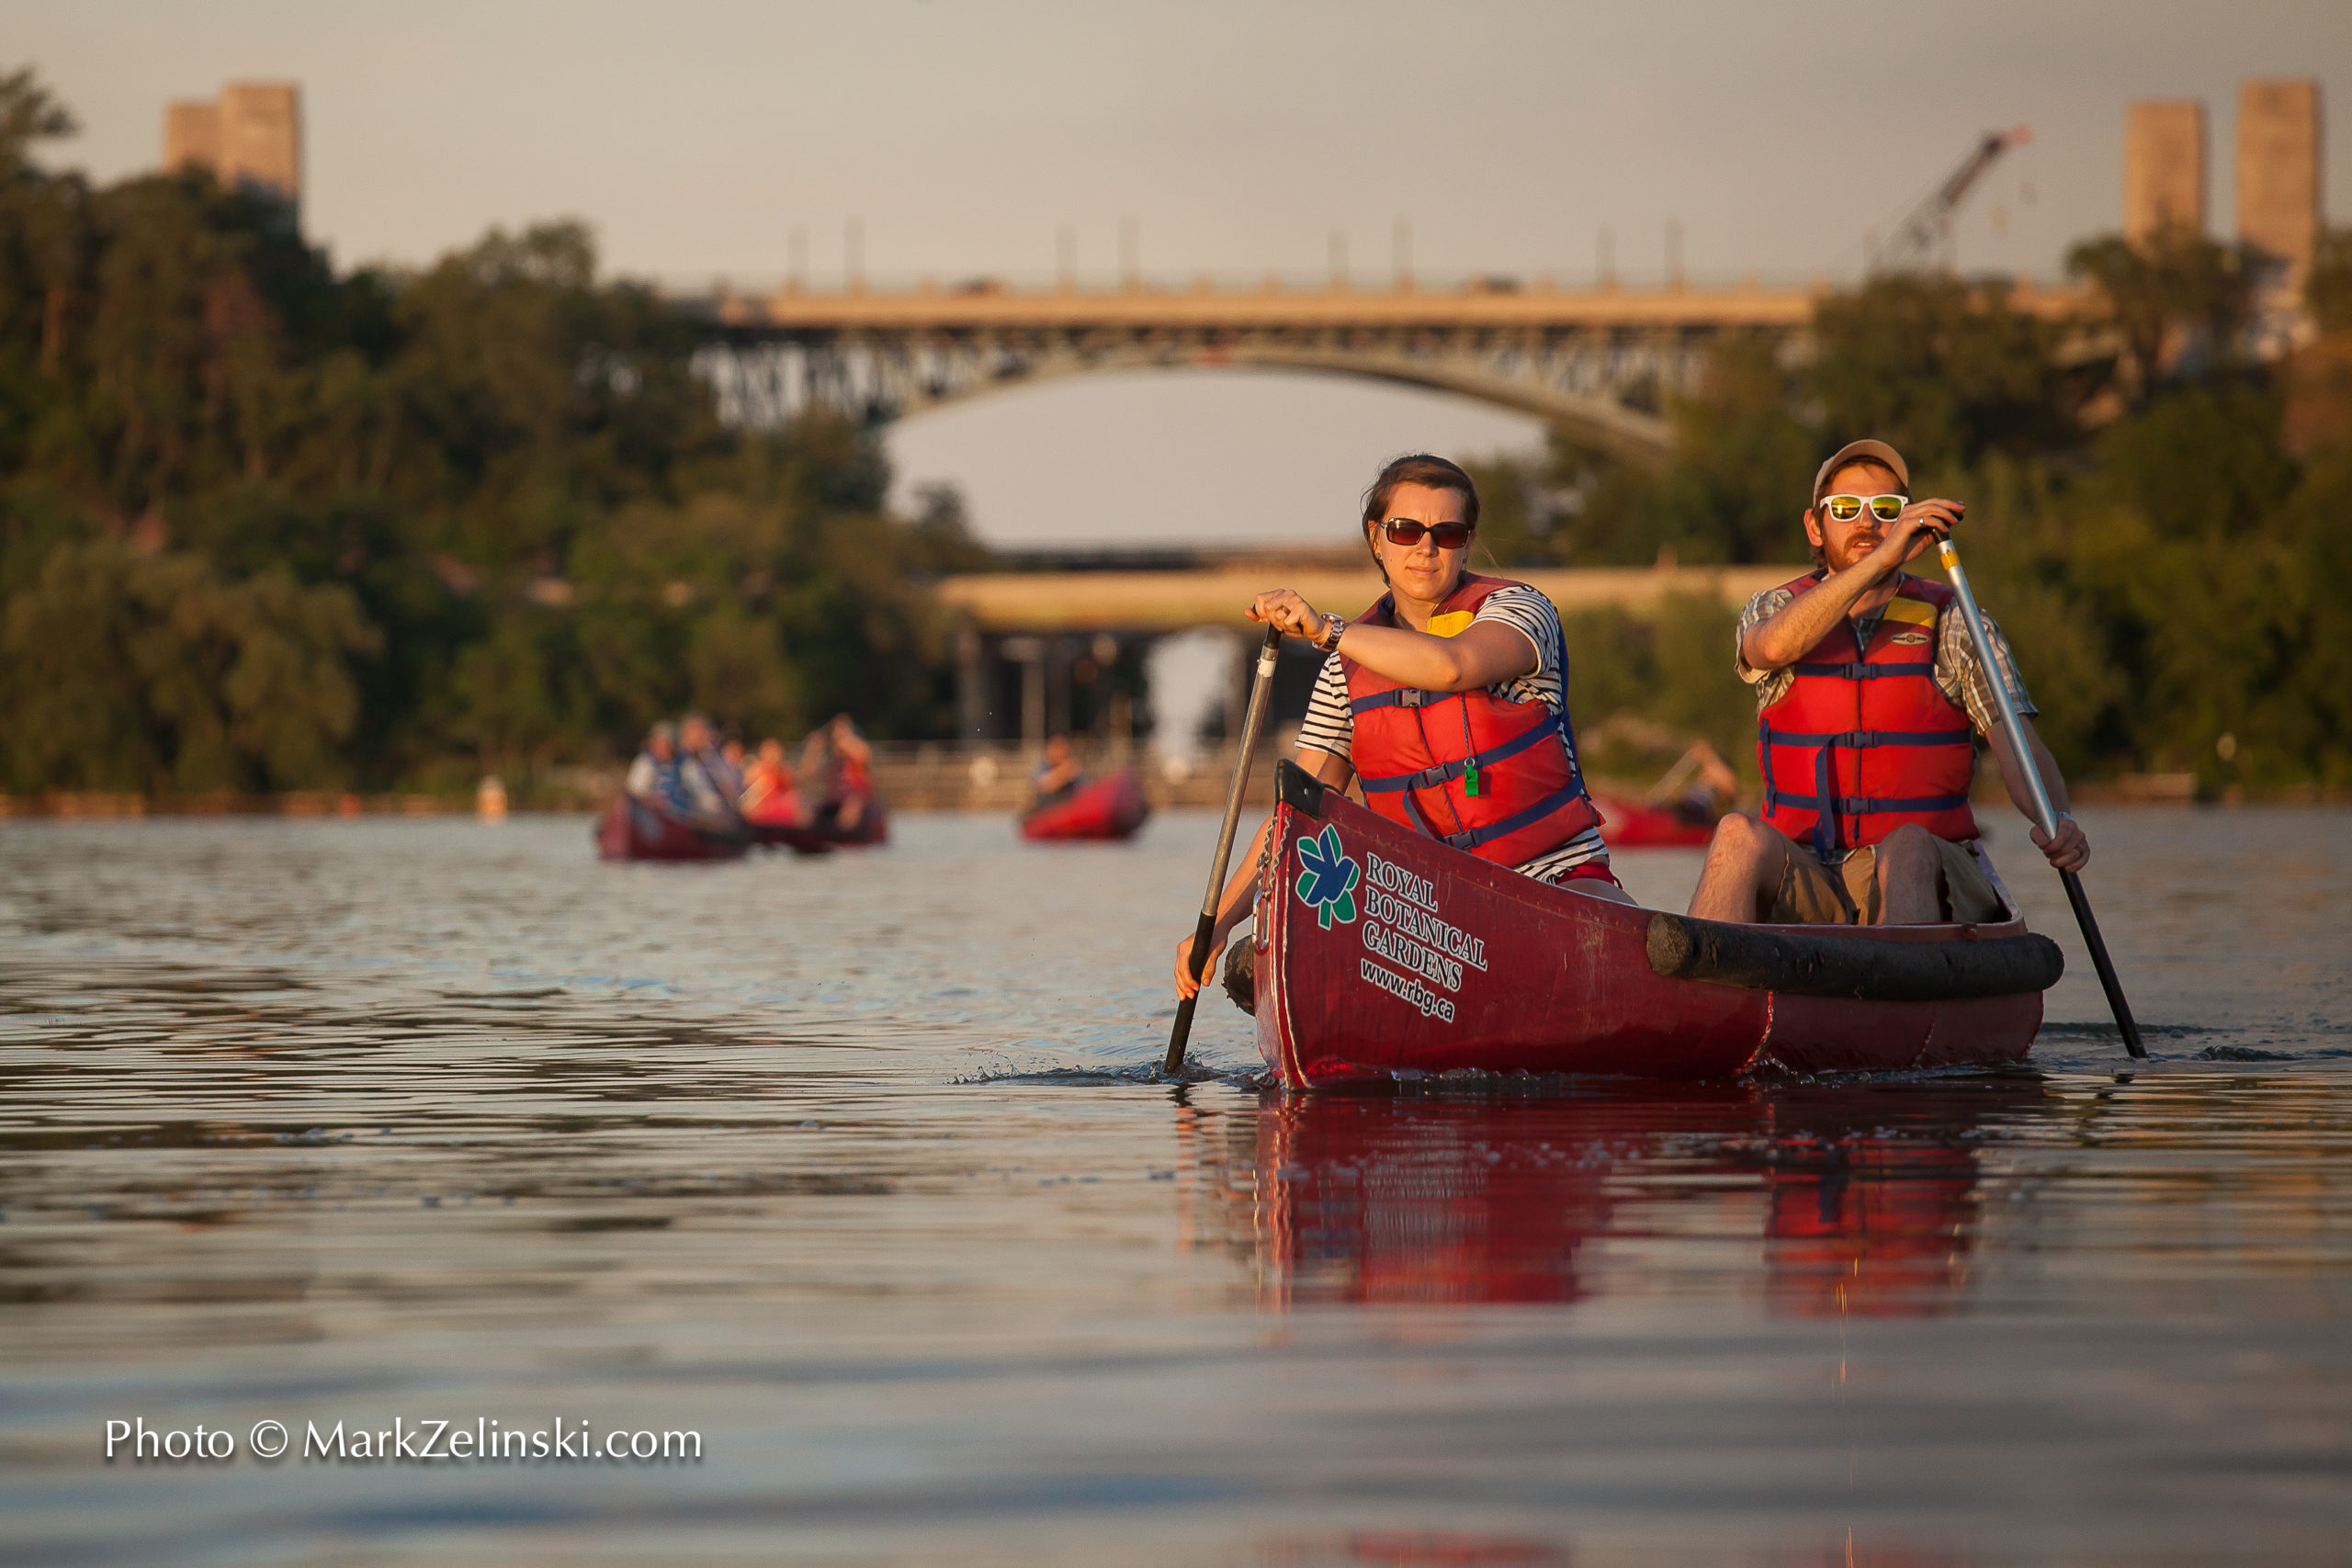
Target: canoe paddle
x,y
1199,958
2045,816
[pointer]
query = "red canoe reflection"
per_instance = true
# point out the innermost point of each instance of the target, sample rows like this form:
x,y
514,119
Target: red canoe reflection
x,y
1864,1201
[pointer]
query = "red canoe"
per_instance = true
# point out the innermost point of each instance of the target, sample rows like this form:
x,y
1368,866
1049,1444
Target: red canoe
x,y
873,828
1108,809
630,830
1380,951
1630,825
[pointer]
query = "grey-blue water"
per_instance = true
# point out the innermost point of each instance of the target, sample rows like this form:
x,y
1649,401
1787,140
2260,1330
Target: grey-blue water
x,y
855,1169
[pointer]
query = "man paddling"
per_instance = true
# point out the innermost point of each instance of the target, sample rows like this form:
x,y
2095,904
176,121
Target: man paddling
x,y
1869,692
1448,697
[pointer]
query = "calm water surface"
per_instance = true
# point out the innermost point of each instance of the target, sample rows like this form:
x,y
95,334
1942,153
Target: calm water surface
x,y
855,1167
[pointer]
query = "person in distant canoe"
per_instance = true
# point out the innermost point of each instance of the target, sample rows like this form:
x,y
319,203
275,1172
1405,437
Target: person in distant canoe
x,y
654,778
1058,777
714,786
1869,694
1699,788
731,754
837,757
768,796
1448,697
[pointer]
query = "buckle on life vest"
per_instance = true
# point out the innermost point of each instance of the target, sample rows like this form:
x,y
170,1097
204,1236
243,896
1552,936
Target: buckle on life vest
x,y
1472,837
1853,739
1862,805
1467,768
1399,697
1881,672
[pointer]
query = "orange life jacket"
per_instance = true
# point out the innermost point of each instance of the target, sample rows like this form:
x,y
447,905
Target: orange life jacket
x,y
1493,777
1864,741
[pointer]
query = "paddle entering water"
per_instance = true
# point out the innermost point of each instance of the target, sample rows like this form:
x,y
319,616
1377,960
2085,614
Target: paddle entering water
x,y
1199,957
2046,815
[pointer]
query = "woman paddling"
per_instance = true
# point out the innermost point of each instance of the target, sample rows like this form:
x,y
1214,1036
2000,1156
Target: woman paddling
x,y
1449,696
769,798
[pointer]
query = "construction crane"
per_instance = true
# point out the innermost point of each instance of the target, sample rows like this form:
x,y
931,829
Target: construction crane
x,y
1923,241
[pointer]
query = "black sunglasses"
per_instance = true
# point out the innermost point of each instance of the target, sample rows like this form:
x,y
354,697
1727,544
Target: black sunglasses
x,y
1406,531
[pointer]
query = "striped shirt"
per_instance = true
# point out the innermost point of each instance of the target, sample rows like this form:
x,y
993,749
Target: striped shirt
x,y
1330,728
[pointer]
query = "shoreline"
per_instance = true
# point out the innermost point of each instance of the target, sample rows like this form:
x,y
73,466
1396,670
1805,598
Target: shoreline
x,y
1203,789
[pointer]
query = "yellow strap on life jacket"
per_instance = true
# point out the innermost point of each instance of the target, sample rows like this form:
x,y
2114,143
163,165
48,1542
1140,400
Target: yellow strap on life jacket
x,y
1453,623
1916,612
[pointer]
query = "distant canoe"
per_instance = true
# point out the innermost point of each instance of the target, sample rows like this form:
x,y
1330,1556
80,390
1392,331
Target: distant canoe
x,y
1632,825
630,830
818,838
1108,809
780,808
1380,951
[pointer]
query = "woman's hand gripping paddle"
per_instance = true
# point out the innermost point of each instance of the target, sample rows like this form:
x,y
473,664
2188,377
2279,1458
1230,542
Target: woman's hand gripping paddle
x,y
1258,687
2045,816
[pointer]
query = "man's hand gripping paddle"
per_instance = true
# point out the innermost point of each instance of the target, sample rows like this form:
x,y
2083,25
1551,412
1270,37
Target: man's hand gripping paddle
x,y
2045,816
1258,687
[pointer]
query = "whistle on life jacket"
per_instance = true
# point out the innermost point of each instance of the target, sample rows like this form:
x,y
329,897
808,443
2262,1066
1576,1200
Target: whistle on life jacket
x,y
1470,778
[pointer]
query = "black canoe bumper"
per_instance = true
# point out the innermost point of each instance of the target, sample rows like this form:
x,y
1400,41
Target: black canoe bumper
x,y
1807,965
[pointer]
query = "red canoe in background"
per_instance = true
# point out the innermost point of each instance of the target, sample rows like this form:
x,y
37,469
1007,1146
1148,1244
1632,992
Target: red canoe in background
x,y
1630,825
1108,809
1380,951
630,830
818,838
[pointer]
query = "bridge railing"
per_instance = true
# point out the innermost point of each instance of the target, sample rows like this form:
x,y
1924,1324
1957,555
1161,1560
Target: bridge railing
x,y
1233,280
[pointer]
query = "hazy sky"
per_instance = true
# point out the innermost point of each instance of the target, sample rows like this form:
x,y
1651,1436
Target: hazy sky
x,y
697,138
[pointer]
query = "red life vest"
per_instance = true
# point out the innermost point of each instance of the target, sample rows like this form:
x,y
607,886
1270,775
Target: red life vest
x,y
1864,741
1495,778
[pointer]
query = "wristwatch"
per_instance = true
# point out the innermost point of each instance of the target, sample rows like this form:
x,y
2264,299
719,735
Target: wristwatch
x,y
1334,627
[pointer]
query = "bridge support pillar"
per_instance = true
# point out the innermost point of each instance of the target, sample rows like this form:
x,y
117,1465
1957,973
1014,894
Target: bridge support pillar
x,y
972,683
1031,653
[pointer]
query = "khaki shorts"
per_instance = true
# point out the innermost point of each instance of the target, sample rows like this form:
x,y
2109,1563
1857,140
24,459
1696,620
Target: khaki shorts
x,y
1847,894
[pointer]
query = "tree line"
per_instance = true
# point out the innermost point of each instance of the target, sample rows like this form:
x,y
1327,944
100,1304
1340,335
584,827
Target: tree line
x,y
265,526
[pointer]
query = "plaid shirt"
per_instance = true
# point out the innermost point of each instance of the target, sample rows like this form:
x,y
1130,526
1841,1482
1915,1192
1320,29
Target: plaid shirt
x,y
1959,674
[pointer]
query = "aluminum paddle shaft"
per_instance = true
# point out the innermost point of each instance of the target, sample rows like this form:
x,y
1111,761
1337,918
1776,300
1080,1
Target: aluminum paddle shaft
x,y
1260,686
2046,815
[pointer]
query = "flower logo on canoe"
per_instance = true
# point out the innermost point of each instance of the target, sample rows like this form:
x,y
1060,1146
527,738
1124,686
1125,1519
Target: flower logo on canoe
x,y
1328,883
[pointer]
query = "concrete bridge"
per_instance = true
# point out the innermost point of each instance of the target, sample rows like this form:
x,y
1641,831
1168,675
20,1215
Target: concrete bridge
x,y
1598,363
1039,653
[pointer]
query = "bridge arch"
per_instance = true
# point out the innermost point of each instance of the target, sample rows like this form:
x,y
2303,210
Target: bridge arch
x,y
1627,433
1594,364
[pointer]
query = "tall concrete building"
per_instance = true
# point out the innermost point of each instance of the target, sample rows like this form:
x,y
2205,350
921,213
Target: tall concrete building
x,y
250,137
2163,168
2278,159
191,136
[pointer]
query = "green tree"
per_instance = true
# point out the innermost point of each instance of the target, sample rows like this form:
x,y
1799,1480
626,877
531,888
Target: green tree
x,y
135,672
1947,371
2328,288
2178,298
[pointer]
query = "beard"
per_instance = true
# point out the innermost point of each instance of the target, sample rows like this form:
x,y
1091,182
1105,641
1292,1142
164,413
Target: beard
x,y
1851,549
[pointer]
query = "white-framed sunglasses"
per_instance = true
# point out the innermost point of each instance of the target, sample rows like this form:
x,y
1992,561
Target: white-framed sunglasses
x,y
1846,508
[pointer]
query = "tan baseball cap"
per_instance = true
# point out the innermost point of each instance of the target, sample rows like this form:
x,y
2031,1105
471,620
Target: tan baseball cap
x,y
1876,451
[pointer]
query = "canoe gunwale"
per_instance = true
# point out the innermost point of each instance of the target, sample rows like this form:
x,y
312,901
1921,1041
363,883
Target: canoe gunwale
x,y
1946,964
